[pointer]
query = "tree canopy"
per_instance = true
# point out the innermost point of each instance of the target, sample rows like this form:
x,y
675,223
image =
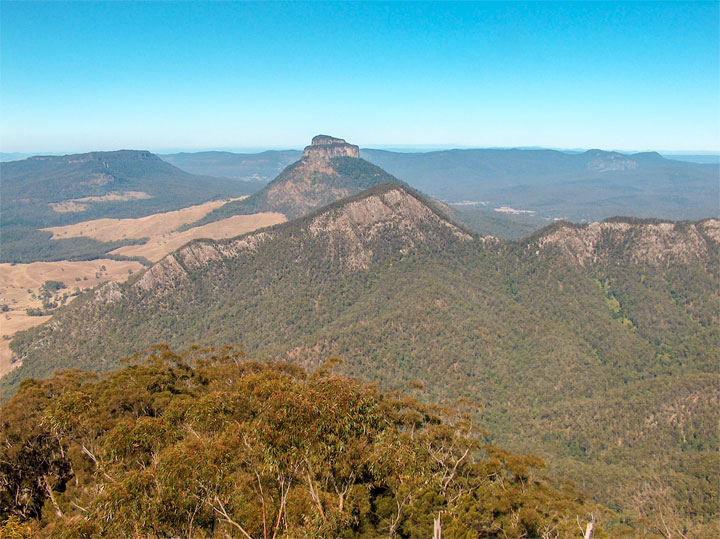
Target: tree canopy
x,y
205,444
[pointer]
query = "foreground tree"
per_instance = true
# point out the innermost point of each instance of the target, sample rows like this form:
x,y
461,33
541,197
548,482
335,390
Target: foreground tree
x,y
205,444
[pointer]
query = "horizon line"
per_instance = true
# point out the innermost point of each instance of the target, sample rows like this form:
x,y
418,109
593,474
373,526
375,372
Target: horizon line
x,y
400,148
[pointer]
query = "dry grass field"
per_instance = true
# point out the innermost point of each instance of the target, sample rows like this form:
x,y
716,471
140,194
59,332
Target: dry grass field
x,y
74,205
19,290
20,283
160,245
142,227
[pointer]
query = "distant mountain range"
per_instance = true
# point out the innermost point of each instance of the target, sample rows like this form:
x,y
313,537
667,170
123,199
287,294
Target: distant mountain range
x,y
589,185
503,192
592,345
263,166
46,191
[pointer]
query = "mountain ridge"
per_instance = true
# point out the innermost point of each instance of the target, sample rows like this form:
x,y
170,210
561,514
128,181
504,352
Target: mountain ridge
x,y
377,209
636,241
599,367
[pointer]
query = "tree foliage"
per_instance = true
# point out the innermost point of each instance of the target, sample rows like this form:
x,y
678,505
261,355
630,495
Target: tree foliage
x,y
207,444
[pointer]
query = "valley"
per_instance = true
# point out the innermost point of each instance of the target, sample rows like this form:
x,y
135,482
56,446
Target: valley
x,y
138,228
156,247
159,233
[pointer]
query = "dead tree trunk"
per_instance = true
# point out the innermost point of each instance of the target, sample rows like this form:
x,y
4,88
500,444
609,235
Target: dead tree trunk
x,y
437,528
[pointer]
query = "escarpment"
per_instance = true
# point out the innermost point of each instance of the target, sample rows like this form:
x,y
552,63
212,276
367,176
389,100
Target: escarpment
x,y
325,147
618,241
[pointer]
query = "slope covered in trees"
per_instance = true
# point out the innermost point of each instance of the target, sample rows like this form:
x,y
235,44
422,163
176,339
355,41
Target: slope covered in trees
x,y
208,445
594,346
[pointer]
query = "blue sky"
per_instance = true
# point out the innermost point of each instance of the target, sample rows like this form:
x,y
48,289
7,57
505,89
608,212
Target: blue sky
x,y
159,76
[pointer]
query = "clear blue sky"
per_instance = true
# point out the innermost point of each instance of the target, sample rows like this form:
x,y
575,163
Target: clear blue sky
x,y
83,76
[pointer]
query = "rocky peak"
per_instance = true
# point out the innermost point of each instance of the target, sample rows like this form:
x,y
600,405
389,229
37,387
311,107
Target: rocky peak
x,y
609,161
324,147
352,232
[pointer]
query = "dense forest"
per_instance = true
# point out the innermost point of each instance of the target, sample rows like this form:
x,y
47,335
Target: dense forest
x,y
206,444
605,365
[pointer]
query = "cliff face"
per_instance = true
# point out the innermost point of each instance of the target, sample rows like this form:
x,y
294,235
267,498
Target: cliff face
x,y
620,241
324,147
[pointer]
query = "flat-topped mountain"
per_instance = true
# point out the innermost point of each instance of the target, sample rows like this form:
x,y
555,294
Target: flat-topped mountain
x,y
330,169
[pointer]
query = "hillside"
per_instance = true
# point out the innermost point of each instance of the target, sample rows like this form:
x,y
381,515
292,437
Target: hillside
x,y
205,445
47,191
329,170
591,345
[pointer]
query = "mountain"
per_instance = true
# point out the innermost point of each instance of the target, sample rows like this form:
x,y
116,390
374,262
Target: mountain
x,y
330,169
46,191
591,345
591,185
263,166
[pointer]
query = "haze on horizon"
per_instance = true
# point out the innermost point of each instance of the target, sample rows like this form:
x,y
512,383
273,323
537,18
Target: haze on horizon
x,y
158,76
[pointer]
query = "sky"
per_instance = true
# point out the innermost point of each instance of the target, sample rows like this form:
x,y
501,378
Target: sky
x,y
166,76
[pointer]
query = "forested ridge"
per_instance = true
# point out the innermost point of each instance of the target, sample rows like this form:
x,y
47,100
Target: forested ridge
x,y
594,345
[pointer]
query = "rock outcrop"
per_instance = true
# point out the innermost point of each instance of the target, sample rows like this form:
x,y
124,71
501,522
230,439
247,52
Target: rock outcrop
x,y
634,241
324,147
